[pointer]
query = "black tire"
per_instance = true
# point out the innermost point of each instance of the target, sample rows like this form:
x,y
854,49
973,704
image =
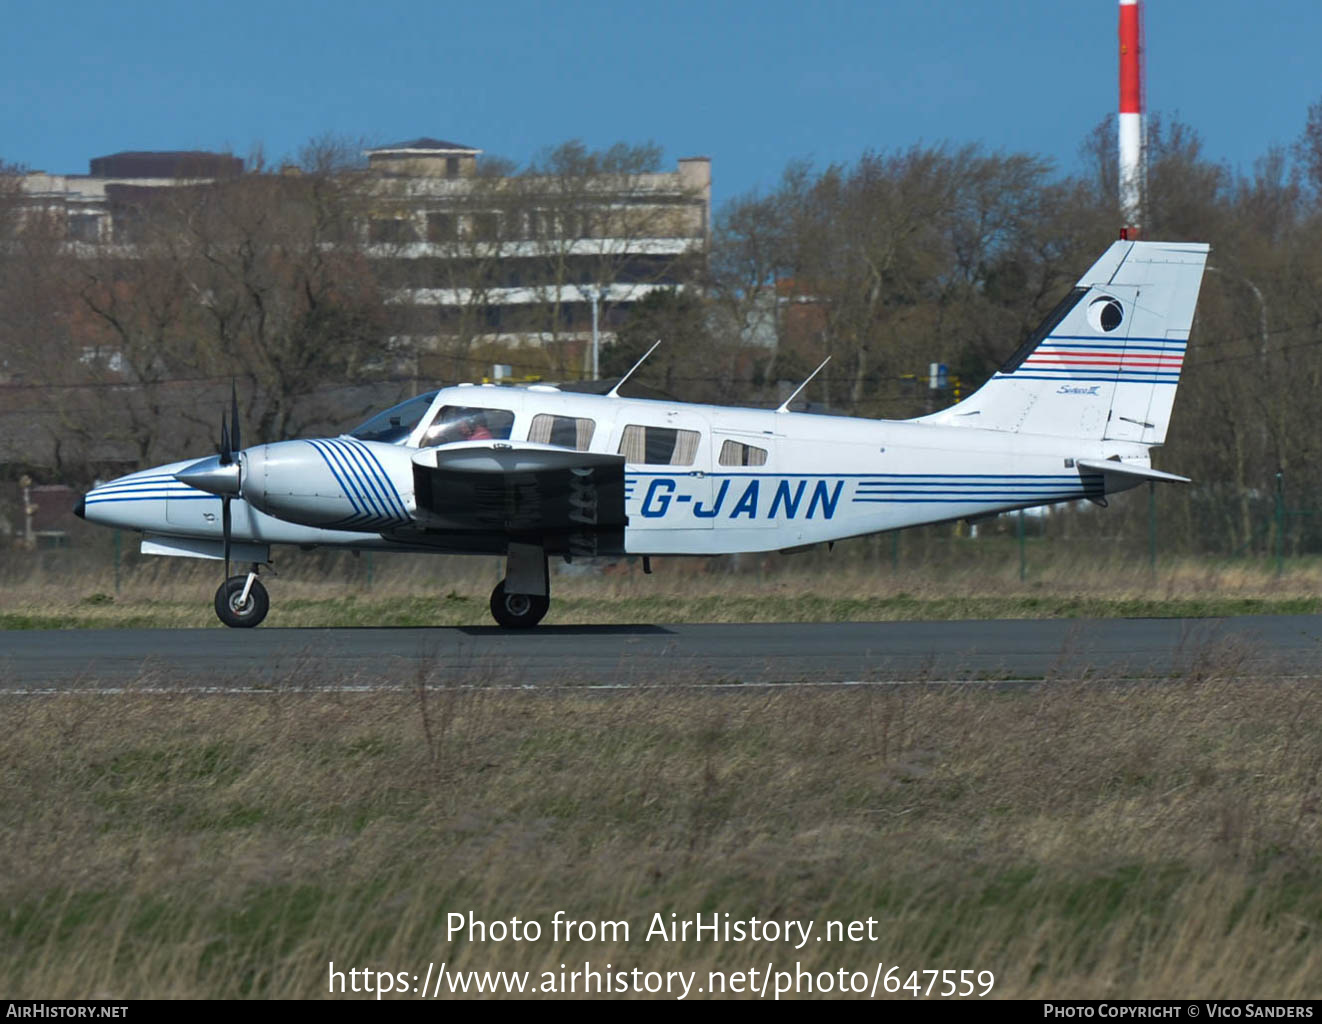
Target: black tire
x,y
248,615
517,611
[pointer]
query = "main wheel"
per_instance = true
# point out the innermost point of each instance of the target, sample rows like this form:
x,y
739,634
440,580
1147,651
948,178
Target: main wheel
x,y
247,614
517,611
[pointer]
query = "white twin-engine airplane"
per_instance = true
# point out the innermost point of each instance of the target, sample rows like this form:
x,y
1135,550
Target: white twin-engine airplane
x,y
532,472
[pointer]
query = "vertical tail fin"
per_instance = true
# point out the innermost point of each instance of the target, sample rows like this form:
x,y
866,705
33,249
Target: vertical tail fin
x,y
1105,363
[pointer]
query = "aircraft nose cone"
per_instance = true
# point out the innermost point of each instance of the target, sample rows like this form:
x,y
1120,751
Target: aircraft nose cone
x,y
209,475
80,510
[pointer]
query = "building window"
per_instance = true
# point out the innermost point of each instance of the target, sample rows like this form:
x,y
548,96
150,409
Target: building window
x,y
442,227
561,431
485,227
452,167
127,227
735,454
84,227
539,224
583,224
659,446
392,229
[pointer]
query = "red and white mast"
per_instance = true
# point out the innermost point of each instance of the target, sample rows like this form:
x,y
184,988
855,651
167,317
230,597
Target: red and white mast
x,y
1131,119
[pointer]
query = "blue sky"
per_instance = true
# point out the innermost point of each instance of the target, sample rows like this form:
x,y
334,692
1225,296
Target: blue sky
x,y
753,85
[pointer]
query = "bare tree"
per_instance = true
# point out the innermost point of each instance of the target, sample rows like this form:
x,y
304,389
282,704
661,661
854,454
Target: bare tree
x,y
693,363
1308,147
749,256
894,255
595,219
288,298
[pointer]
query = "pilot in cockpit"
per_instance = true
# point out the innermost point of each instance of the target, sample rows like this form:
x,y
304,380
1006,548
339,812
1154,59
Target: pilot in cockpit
x,y
464,423
474,428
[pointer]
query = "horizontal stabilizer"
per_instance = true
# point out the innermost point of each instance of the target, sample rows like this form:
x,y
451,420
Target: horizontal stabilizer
x,y
1130,475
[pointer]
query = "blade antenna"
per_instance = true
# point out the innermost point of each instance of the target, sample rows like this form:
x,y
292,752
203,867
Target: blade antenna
x,y
785,405
615,391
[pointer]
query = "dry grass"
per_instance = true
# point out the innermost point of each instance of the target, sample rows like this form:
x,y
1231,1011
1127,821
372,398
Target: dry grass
x,y
1080,838
73,589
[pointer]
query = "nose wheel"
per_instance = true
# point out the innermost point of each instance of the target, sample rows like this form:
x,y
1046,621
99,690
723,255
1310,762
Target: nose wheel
x,y
242,601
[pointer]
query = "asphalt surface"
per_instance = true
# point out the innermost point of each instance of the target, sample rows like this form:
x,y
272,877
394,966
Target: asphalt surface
x,y
647,654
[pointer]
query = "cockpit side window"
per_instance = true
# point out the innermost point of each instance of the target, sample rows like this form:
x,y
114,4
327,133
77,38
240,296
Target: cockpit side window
x,y
468,423
396,423
562,431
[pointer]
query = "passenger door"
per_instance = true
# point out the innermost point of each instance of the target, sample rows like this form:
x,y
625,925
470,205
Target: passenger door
x,y
667,455
742,488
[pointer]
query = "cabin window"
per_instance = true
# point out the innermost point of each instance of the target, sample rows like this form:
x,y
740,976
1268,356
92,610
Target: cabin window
x,y
735,454
659,446
465,423
561,431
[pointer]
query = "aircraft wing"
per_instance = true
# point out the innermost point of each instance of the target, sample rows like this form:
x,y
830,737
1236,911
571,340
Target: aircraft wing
x,y
569,501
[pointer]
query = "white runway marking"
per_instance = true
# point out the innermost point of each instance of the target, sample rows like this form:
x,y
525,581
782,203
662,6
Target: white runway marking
x,y
259,691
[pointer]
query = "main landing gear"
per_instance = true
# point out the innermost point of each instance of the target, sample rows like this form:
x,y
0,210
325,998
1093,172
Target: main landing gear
x,y
242,601
522,598
517,611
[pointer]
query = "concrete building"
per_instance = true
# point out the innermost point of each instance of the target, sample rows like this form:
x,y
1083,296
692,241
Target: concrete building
x,y
475,262
552,261
104,205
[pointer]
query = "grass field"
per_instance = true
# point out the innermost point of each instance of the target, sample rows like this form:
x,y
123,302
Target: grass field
x,y
68,589
1079,838
1082,837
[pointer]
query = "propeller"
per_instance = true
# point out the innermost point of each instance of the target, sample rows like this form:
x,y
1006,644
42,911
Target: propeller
x,y
221,474
223,449
226,524
234,416
227,458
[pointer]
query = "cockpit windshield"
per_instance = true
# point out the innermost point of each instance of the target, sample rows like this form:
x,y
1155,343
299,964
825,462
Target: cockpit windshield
x,y
396,423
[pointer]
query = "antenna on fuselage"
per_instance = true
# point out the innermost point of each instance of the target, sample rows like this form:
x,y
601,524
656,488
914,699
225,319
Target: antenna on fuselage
x,y
785,405
615,391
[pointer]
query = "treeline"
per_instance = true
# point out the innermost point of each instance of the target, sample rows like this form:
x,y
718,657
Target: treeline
x,y
953,255
901,259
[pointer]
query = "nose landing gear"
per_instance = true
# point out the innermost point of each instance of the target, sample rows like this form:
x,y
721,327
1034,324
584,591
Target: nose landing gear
x,y
242,601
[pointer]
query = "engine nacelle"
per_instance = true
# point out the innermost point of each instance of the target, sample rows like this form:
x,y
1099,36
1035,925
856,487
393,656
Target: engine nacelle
x,y
339,483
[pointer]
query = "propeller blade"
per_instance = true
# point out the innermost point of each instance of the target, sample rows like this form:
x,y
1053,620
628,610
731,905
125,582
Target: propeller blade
x,y
234,416
225,523
225,455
